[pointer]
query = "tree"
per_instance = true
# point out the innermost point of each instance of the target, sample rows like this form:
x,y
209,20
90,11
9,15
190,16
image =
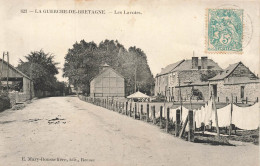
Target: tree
x,y
83,62
41,68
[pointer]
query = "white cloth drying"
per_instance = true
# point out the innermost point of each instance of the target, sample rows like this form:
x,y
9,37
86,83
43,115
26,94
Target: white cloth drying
x,y
246,117
224,116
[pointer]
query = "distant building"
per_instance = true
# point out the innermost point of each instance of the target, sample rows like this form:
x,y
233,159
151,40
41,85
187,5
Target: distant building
x,y
108,83
17,81
189,75
236,80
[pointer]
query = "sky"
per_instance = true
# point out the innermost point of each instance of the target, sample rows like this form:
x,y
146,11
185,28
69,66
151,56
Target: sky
x,y
167,31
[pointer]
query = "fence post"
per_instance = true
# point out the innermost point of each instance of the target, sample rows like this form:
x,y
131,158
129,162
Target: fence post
x,y
246,100
147,113
122,108
126,106
191,130
141,111
177,122
117,106
130,109
135,111
236,99
161,109
167,119
154,118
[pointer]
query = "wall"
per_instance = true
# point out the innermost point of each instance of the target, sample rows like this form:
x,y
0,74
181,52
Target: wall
x,y
251,91
18,97
171,80
108,83
186,92
161,83
242,71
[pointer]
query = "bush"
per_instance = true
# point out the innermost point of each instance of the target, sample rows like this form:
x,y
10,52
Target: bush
x,y
4,101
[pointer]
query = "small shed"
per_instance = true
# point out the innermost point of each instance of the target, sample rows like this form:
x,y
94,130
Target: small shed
x,y
14,78
237,81
108,83
139,96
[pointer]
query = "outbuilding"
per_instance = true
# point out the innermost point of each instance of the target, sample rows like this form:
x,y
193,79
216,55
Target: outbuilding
x,y
108,83
237,81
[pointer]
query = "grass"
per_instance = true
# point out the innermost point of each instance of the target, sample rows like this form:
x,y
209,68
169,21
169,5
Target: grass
x,y
246,136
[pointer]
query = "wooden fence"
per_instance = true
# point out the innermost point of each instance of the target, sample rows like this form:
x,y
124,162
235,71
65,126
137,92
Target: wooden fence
x,y
147,112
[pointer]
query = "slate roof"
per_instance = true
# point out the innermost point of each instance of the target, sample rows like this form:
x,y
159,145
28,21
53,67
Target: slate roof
x,y
170,68
187,65
18,71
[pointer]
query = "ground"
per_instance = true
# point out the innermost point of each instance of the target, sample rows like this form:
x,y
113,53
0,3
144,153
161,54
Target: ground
x,y
80,133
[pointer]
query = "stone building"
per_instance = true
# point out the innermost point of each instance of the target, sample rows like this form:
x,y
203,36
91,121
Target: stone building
x,y
237,81
186,77
108,83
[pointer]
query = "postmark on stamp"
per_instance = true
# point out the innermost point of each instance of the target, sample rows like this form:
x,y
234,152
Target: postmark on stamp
x,y
224,31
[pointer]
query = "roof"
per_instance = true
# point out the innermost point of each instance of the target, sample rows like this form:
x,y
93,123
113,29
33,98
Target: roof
x,y
187,65
107,68
138,94
227,72
18,71
170,68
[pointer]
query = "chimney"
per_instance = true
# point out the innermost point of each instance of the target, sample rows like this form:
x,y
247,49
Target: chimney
x,y
204,62
194,62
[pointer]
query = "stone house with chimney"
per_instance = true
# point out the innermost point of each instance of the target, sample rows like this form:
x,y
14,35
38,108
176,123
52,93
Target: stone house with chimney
x,y
238,81
186,78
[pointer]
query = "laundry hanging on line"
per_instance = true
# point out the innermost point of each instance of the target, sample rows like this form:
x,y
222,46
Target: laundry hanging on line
x,y
246,117
224,116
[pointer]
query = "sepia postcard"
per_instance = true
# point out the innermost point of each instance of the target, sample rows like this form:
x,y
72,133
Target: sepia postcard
x,y
130,82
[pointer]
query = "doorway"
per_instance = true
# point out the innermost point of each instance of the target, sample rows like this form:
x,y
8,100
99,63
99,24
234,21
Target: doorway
x,y
215,91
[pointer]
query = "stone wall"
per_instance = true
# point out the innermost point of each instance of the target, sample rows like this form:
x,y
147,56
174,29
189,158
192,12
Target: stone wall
x,y
18,97
186,92
171,80
161,83
242,71
251,91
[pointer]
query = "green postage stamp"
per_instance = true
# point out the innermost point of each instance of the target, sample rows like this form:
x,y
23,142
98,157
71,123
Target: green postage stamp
x,y
224,31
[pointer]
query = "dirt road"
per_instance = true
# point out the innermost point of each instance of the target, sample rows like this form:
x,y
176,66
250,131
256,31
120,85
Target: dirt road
x,y
67,131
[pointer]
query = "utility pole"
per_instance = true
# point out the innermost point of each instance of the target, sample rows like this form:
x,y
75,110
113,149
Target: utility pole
x,y
180,93
7,71
2,70
31,82
216,115
135,77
